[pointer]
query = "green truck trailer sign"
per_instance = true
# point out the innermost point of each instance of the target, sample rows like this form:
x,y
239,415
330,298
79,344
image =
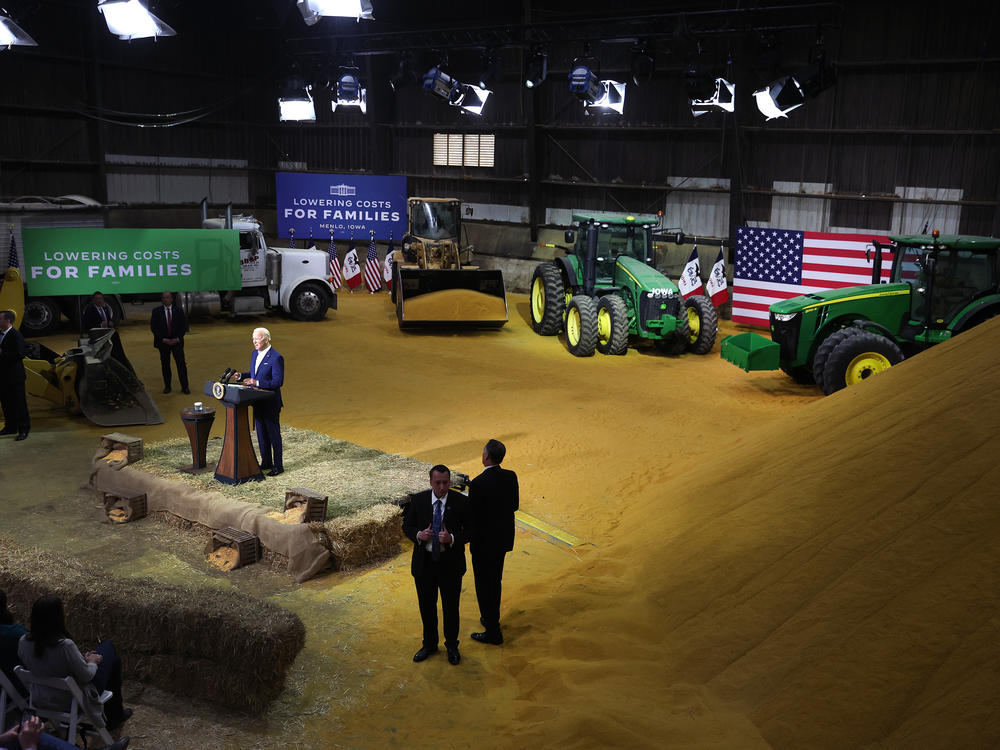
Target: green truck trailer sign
x,y
130,261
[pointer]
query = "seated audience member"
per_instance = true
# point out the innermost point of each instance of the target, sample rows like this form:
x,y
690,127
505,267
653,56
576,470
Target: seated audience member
x,y
28,735
47,651
10,634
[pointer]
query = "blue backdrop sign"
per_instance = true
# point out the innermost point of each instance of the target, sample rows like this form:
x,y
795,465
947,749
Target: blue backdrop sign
x,y
349,204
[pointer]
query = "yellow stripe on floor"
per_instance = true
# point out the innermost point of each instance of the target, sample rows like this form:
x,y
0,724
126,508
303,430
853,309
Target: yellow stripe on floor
x,y
537,524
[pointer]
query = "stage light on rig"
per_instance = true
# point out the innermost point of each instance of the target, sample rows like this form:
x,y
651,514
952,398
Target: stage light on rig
x,y
295,104
349,92
596,95
536,68
313,10
11,34
129,19
466,96
789,92
643,63
439,83
723,99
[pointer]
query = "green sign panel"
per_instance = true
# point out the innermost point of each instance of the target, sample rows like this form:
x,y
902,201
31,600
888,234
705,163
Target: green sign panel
x,y
128,261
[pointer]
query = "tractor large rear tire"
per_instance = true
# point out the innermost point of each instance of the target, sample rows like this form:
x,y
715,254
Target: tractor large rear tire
x,y
826,346
703,324
859,355
612,325
581,325
548,300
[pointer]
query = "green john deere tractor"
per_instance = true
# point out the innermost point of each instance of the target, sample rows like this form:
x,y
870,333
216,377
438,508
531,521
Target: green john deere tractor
x,y
938,287
605,289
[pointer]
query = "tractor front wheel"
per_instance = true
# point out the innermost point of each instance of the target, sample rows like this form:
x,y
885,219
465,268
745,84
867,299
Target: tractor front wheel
x,y
703,324
826,347
612,325
548,300
859,355
581,326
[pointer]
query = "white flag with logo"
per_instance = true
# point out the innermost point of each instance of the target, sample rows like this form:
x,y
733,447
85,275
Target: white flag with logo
x,y
352,269
717,287
690,280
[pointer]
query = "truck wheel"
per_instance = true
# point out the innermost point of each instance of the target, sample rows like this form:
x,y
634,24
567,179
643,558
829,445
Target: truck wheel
x,y
703,324
548,296
612,325
308,302
859,355
41,316
581,325
823,354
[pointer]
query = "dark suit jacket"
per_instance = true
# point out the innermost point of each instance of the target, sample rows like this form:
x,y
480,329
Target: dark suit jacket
x,y
456,519
271,374
92,318
158,325
493,497
12,354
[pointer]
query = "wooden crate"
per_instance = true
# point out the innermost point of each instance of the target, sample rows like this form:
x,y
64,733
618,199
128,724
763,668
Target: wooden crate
x,y
124,508
246,544
118,441
314,502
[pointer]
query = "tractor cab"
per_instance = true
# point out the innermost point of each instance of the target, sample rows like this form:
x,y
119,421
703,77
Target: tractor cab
x,y
605,238
947,277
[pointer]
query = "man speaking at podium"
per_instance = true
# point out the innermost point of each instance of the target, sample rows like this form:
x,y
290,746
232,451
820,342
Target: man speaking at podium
x,y
267,370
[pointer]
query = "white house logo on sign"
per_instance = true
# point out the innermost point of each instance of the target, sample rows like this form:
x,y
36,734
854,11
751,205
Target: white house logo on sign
x,y
343,189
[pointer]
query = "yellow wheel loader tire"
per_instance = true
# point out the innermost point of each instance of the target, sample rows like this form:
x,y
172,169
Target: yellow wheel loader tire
x,y
581,326
612,325
859,355
547,300
703,324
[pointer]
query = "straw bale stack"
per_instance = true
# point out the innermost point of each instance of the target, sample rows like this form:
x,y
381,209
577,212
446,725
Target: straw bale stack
x,y
369,535
221,646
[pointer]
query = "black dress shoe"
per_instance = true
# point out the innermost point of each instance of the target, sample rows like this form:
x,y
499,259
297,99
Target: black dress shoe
x,y
126,715
119,744
453,656
21,436
275,472
496,640
186,390
166,389
423,653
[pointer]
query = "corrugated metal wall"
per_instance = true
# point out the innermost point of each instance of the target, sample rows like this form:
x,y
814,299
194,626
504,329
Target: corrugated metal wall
x,y
913,115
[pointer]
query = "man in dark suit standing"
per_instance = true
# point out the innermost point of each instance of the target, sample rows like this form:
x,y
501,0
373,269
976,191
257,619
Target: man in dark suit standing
x,y
98,314
493,498
438,523
267,370
169,325
12,377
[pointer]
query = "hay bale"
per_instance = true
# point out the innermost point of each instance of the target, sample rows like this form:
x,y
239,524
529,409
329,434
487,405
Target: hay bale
x,y
369,535
221,646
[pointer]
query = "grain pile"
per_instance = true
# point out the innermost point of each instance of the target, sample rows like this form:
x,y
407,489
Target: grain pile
x,y
454,304
224,558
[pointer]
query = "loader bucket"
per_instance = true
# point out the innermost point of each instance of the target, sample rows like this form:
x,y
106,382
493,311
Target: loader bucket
x,y
109,393
450,298
751,351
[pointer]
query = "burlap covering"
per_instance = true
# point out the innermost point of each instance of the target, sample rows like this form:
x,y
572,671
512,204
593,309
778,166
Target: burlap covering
x,y
306,554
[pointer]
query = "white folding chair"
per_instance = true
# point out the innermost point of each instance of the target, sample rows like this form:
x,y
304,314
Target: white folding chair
x,y
79,708
10,700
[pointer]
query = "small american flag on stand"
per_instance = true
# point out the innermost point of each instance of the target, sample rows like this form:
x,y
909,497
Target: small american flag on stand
x,y
334,264
373,275
12,258
777,264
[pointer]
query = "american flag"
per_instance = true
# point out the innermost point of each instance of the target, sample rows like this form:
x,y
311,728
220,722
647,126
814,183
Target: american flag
x,y
373,271
12,258
777,264
334,264
387,266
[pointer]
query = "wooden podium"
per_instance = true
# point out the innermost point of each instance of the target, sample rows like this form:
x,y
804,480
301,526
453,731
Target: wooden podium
x,y
238,462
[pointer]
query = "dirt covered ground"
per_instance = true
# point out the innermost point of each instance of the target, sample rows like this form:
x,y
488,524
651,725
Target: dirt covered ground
x,y
760,566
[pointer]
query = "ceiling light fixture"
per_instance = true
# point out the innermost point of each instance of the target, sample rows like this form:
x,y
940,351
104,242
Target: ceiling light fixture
x,y
11,34
130,19
350,92
536,68
313,10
